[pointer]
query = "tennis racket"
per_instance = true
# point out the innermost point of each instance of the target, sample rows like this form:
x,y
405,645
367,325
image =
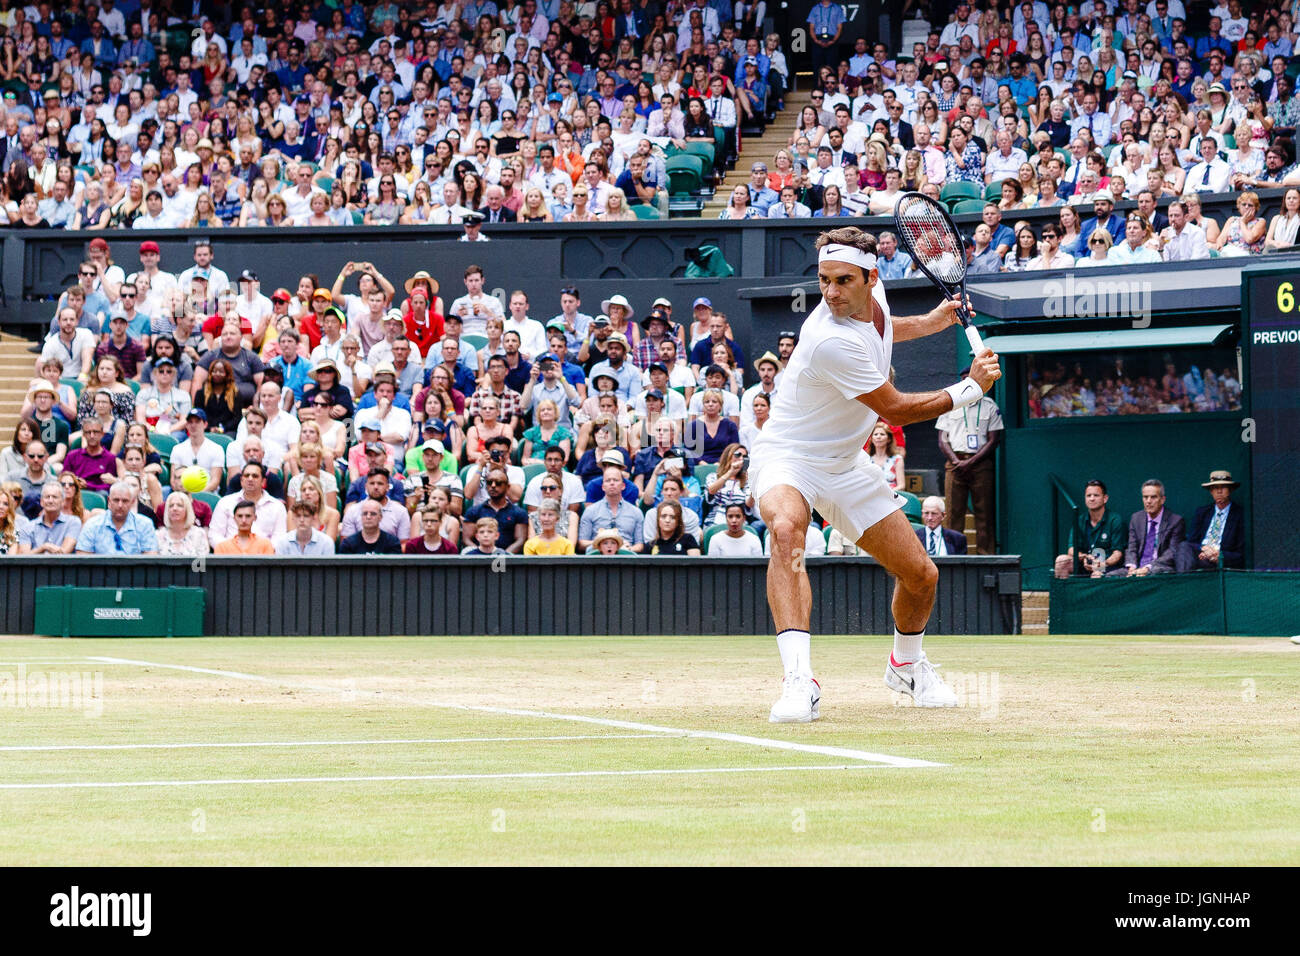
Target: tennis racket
x,y
931,238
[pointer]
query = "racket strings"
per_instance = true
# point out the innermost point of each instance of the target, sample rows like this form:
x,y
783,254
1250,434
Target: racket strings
x,y
930,239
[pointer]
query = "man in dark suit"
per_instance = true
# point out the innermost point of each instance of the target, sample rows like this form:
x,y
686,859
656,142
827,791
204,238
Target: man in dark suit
x,y
630,21
900,131
495,209
935,538
1146,204
1218,533
1154,536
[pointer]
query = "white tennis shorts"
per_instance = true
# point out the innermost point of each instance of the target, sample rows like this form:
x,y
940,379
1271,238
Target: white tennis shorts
x,y
852,501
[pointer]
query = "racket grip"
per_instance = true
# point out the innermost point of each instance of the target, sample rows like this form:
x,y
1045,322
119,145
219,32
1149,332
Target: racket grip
x,y
973,337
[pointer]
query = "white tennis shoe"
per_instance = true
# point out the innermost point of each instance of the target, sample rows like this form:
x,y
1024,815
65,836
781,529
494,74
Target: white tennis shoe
x,y
799,701
919,681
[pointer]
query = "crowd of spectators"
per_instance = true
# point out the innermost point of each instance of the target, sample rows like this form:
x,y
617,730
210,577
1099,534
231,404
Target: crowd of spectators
x,y
1035,105
152,114
176,411
1135,385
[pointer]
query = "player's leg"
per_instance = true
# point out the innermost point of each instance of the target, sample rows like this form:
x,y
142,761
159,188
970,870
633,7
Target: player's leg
x,y
786,513
893,543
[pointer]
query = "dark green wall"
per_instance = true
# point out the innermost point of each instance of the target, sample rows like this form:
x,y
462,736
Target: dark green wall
x,y
1181,452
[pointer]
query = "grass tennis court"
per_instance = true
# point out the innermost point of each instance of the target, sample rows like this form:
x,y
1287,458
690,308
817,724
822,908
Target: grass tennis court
x,y
1072,750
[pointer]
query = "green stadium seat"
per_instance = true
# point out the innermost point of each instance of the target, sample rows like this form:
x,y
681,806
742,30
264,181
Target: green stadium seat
x,y
703,473
965,206
207,497
326,183
645,211
135,386
531,472
685,174
92,500
993,191
76,441
75,383
911,505
952,192
478,341
703,150
221,438
162,444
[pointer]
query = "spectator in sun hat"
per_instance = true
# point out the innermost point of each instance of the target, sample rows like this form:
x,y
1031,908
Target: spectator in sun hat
x,y
655,327
620,313
1216,535
609,541
324,375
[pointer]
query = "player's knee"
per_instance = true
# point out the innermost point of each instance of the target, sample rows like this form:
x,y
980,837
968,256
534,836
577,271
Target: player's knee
x,y
786,534
925,578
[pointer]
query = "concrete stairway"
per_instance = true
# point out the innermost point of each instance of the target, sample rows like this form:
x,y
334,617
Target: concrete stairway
x,y
755,149
17,369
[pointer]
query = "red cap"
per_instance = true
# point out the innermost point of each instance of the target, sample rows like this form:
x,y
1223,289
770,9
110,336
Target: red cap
x,y
147,246
281,295
98,243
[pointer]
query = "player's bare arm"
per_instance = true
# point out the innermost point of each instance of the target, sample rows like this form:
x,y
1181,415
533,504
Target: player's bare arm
x,y
908,327
903,408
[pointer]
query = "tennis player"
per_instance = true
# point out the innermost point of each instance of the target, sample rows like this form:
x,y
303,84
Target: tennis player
x,y
809,456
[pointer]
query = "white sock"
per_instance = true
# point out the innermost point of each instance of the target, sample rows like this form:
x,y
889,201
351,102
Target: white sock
x,y
796,651
907,647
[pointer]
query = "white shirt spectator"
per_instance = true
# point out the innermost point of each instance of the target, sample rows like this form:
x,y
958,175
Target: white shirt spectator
x,y
269,522
1186,245
532,335
210,456
1211,177
723,545
571,490
998,167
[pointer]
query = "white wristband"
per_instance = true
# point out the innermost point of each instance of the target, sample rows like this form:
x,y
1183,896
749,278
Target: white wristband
x,y
964,393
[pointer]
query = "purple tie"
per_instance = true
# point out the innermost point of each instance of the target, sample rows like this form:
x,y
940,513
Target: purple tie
x,y
1149,548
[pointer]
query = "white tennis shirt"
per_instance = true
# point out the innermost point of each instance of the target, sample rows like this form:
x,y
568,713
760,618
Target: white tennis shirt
x,y
815,414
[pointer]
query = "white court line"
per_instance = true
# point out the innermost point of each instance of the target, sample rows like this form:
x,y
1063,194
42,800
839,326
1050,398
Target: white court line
x,y
532,775
766,742
320,743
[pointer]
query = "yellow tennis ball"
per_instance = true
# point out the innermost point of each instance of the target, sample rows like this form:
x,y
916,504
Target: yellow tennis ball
x,y
194,478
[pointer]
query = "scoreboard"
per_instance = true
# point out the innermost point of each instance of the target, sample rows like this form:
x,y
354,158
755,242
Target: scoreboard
x,y
1270,333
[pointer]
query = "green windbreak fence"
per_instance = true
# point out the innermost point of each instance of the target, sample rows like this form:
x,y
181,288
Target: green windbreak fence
x,y
1244,603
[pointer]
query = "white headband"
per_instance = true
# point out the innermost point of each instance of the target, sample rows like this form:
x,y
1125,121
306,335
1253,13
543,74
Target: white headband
x,y
835,252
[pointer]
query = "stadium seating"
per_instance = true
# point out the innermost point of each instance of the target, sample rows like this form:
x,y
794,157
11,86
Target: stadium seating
x,y
953,192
